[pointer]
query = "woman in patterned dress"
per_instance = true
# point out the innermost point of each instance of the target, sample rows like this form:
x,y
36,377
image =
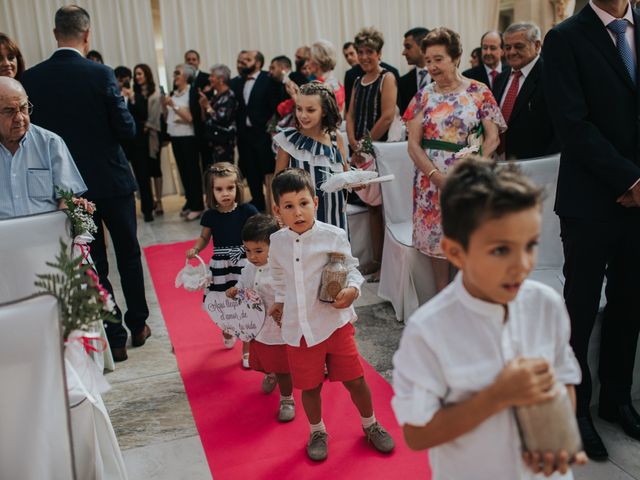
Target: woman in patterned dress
x,y
440,119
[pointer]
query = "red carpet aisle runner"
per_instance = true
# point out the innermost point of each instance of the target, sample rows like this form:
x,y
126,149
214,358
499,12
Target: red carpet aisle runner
x,y
237,422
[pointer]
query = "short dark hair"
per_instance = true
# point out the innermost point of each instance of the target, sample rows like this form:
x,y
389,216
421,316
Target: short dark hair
x,y
95,55
71,21
122,71
479,189
417,33
222,169
446,37
348,44
259,228
260,58
282,60
291,180
496,32
192,51
331,118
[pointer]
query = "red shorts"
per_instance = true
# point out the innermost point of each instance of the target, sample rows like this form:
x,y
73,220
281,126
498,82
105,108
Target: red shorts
x,y
268,358
339,352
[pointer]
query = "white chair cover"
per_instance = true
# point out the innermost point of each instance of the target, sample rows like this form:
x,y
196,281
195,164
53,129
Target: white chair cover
x,y
406,278
35,430
24,249
359,233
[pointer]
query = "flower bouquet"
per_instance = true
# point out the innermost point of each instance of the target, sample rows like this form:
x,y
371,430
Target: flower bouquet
x,y
364,158
80,213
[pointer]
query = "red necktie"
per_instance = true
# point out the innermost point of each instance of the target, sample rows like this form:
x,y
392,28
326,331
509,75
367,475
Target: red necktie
x,y
494,74
509,102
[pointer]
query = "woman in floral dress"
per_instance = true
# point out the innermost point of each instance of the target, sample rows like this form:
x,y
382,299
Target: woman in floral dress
x,y
440,119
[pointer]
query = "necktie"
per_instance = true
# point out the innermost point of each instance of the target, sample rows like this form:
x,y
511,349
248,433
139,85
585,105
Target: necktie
x,y
422,76
509,102
619,27
494,74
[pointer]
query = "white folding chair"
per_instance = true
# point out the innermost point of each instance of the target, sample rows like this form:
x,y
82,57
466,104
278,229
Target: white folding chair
x,y
35,428
406,277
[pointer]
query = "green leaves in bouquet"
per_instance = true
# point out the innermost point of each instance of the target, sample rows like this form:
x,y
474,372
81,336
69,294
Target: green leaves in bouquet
x,y
83,301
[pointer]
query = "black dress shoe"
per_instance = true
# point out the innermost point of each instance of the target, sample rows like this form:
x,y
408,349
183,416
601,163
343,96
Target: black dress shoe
x,y
625,416
140,338
591,441
148,217
119,354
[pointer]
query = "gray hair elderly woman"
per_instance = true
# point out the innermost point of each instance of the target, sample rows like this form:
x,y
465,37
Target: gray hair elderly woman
x,y
183,140
321,63
219,115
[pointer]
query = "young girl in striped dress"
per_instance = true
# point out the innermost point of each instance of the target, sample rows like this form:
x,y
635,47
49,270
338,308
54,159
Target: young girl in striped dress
x,y
315,146
224,221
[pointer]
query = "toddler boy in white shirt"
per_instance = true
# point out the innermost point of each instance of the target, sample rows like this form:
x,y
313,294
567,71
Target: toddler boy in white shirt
x,y
317,333
267,352
490,341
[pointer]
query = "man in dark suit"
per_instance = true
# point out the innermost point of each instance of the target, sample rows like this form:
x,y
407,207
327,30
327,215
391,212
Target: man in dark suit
x,y
354,73
80,100
491,67
257,95
200,83
417,77
521,96
590,74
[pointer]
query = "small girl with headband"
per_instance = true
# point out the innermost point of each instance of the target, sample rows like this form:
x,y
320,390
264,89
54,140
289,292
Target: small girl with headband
x,y
315,146
224,222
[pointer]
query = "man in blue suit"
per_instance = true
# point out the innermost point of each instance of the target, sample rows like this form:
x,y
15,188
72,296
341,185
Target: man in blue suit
x,y
80,100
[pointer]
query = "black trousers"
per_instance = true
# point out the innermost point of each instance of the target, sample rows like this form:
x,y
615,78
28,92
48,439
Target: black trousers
x,y
185,149
593,250
257,159
119,216
138,155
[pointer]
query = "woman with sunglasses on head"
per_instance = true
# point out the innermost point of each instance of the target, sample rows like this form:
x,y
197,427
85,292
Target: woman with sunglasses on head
x,y
183,140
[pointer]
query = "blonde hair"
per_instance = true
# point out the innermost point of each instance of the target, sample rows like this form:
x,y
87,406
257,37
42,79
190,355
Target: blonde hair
x,y
369,37
222,170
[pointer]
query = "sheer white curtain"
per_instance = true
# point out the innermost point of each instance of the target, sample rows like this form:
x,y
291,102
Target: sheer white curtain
x,y
122,30
219,29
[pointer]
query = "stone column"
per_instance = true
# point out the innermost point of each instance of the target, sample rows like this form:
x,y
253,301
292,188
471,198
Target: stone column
x,y
544,13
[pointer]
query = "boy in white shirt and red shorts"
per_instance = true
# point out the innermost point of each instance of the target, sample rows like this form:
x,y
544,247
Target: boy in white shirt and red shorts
x,y
317,333
490,341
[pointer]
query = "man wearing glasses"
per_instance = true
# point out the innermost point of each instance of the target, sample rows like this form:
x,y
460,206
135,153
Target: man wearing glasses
x,y
32,160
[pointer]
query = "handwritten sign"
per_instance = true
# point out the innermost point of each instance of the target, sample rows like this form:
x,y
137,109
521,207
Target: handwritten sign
x,y
242,316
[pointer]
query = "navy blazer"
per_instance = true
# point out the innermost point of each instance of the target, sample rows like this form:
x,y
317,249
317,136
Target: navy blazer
x,y
530,133
263,101
80,100
595,109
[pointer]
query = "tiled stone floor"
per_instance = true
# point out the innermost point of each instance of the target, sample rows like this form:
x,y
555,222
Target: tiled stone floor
x,y
151,415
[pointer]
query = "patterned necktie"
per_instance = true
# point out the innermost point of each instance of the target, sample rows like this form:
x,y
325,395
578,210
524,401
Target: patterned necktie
x,y
619,27
493,74
422,76
509,102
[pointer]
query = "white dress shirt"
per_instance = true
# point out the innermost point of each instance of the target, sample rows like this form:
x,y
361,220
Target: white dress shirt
x,y
526,70
246,92
296,264
426,78
455,346
607,18
488,69
259,279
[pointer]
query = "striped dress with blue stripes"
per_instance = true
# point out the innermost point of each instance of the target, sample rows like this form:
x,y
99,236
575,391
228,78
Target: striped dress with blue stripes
x,y
321,161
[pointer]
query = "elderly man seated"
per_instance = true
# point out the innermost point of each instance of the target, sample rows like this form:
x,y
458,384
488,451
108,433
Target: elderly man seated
x,y
32,160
